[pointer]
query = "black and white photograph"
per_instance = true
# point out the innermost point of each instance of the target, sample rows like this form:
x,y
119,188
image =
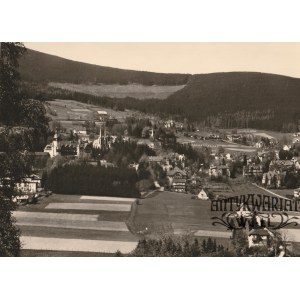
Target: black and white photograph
x,y
105,161
147,153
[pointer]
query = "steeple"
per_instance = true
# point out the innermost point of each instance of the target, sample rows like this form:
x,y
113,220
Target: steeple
x,y
54,144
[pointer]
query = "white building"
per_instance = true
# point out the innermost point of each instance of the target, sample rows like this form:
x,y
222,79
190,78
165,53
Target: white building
x,y
260,237
203,195
297,193
52,147
29,185
102,114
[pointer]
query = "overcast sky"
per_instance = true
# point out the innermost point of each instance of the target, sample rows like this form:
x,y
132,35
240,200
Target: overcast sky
x,y
277,58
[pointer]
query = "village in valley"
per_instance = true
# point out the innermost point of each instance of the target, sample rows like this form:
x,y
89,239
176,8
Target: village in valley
x,y
173,170
149,150
100,161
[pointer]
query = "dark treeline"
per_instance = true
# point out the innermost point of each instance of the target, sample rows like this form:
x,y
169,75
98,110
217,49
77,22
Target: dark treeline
x,y
138,127
238,99
92,180
170,247
123,153
40,67
186,246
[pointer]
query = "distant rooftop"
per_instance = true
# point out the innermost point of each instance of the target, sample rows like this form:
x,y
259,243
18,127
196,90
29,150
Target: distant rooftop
x,y
101,112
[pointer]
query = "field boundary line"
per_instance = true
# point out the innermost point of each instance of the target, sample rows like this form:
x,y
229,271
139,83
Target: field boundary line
x,y
266,190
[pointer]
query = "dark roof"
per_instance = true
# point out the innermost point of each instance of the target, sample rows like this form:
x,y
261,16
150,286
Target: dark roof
x,y
259,231
204,190
176,170
179,180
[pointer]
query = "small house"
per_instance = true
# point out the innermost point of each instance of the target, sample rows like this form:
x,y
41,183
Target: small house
x,y
29,185
260,237
217,171
177,180
272,179
252,170
297,193
102,114
203,195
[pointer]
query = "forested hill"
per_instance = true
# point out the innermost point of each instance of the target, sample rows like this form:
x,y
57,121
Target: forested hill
x,y
43,68
238,99
228,100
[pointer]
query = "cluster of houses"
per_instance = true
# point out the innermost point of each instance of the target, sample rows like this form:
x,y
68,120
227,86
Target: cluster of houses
x,y
277,172
174,164
216,171
27,189
84,144
177,177
219,166
173,124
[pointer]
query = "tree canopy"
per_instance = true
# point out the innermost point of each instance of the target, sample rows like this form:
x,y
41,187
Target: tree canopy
x,y
22,124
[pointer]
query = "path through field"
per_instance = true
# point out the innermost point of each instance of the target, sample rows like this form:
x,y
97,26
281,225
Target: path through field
x,y
86,224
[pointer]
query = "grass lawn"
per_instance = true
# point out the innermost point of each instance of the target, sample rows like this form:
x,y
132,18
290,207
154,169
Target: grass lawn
x,y
49,253
284,192
163,212
53,232
75,230
61,110
77,245
120,216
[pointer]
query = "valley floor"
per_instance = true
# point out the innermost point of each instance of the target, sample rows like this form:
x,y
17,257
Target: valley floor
x,y
73,225
50,227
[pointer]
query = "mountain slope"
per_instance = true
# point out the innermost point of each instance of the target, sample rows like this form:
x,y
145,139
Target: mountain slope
x,y
233,99
43,68
258,97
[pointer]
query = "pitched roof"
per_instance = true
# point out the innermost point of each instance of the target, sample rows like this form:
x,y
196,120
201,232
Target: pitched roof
x,y
203,190
101,112
179,180
259,231
176,170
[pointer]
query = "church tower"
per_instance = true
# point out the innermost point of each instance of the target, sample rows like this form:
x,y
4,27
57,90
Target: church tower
x,y
54,144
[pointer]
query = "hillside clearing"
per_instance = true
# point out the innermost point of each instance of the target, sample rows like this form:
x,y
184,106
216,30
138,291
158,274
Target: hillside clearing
x,y
136,91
